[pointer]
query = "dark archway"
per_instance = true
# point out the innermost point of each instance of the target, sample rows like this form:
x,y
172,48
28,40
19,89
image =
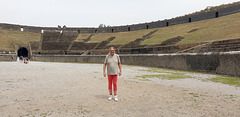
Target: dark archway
x,y
167,23
22,52
189,19
129,29
147,27
216,14
112,30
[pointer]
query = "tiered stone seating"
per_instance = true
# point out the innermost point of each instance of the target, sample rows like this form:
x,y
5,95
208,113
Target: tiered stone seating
x,y
55,40
115,46
68,36
50,35
218,46
103,44
136,43
34,45
62,44
83,46
155,49
55,45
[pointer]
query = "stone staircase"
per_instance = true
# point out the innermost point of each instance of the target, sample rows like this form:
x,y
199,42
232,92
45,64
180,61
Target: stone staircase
x,y
88,39
103,44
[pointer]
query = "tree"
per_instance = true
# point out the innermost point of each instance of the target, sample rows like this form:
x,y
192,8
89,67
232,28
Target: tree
x,y
102,26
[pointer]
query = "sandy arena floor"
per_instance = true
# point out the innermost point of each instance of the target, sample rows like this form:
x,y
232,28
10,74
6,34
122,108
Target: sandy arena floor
x,y
76,90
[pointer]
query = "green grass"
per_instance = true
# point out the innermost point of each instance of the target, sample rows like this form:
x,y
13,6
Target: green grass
x,y
225,27
194,94
10,38
169,76
226,80
165,74
155,70
99,37
80,37
121,37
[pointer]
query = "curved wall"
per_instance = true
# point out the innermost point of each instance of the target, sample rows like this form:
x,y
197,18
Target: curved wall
x,y
221,63
230,9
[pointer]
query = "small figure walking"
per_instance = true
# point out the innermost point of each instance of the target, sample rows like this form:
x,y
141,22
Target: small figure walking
x,y
21,59
112,61
17,58
26,60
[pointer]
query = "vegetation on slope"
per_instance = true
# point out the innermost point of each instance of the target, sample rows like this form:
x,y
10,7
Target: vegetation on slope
x,y
225,27
10,38
81,37
121,37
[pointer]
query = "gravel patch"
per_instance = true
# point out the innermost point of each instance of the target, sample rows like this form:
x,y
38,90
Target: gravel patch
x,y
74,89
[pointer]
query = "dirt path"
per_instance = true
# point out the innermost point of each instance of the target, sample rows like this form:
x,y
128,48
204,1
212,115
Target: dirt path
x,y
68,89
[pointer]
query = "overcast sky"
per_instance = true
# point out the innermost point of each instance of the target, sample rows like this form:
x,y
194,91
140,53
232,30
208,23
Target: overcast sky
x,y
91,13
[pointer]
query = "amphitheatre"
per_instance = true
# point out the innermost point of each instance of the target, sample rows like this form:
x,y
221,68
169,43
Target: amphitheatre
x,y
172,67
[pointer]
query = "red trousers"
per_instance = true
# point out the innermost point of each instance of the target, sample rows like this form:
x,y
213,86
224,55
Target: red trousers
x,y
112,80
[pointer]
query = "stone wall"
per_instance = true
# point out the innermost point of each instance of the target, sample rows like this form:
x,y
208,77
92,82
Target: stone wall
x,y
7,57
10,27
229,9
220,63
32,29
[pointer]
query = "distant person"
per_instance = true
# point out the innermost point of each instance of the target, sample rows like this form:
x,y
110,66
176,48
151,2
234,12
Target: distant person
x,y
26,60
17,58
21,58
112,61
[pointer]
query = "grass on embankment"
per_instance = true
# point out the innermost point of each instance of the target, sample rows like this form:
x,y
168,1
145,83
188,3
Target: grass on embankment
x,y
225,27
80,37
10,38
121,37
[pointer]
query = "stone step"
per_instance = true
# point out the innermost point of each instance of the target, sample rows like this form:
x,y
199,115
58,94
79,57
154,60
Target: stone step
x,y
224,46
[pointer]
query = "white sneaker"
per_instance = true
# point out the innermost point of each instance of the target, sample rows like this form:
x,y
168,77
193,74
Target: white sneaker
x,y
110,98
115,98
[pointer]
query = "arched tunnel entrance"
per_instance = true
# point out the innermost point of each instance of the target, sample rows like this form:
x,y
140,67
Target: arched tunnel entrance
x,y
22,52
